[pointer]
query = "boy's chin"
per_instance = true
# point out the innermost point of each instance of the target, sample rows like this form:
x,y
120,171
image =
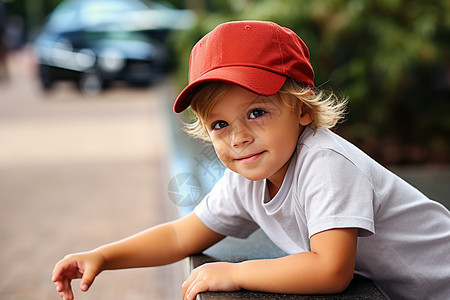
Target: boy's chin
x,y
249,174
253,177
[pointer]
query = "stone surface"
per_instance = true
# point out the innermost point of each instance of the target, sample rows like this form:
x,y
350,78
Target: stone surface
x,y
75,173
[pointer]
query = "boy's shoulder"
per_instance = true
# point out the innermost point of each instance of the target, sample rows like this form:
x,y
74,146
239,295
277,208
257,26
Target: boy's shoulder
x,y
324,143
321,138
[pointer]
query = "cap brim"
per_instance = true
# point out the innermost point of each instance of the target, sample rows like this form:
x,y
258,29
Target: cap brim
x,y
257,80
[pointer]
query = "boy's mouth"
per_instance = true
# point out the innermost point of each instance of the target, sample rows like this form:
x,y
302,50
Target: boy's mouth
x,y
250,157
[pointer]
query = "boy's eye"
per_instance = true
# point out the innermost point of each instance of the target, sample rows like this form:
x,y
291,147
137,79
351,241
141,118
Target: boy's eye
x,y
219,125
256,113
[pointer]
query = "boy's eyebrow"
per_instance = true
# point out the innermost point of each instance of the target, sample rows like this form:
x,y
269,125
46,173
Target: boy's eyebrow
x,y
268,101
258,99
261,99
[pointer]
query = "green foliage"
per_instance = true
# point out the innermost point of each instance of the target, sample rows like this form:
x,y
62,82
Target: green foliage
x,y
390,57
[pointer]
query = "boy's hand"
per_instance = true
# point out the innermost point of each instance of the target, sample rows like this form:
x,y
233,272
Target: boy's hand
x,y
84,265
219,276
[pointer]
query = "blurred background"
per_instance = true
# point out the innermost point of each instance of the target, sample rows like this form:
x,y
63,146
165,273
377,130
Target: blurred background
x,y
88,142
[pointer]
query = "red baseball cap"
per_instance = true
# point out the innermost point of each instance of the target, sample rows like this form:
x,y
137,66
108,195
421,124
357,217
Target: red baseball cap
x,y
255,55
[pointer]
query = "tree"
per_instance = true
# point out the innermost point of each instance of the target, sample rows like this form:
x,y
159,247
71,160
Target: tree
x,y
390,57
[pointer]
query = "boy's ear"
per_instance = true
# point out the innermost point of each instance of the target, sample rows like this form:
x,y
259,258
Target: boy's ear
x,y
305,117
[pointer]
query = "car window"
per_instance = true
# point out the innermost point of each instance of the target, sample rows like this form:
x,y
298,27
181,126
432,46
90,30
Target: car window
x,y
114,15
63,20
94,14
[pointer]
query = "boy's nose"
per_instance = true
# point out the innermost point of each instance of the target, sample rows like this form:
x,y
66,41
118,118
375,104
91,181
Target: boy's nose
x,y
241,136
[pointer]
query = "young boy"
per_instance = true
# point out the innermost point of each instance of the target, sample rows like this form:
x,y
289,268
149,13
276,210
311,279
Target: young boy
x,y
334,210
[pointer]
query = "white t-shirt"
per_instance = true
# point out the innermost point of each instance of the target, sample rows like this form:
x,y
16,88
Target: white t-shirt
x,y
404,238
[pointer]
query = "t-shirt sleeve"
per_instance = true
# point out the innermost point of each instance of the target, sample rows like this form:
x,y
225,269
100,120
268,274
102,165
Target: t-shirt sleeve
x,y
223,209
337,194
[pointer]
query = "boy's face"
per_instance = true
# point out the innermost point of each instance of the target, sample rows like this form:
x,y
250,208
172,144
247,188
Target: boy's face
x,y
255,135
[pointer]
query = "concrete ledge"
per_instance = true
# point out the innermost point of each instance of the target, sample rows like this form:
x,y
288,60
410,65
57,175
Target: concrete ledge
x,y
258,246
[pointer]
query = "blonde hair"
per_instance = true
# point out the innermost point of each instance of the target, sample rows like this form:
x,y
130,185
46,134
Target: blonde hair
x,y
325,108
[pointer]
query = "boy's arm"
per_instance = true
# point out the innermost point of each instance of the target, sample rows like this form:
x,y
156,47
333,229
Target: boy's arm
x,y
327,269
156,246
160,245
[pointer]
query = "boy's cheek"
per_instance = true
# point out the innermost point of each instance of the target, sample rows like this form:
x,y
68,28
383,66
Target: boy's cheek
x,y
217,148
227,153
224,156
221,155
220,145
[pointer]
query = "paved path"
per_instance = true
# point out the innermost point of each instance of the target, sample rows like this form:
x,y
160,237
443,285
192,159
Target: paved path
x,y
75,173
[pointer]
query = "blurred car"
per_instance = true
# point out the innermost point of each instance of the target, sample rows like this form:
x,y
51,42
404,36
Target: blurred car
x,y
95,42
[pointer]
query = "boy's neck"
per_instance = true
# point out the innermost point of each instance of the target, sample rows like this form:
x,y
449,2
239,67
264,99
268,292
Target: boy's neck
x,y
273,189
274,184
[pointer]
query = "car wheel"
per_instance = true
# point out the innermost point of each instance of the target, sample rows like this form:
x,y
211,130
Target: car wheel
x,y
91,83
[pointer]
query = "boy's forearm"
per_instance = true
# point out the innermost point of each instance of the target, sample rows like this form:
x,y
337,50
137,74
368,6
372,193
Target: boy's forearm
x,y
303,273
160,245
153,247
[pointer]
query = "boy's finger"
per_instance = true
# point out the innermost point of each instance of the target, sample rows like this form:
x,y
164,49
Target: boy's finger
x,y
187,283
60,269
197,288
56,274
87,279
185,287
67,290
59,286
